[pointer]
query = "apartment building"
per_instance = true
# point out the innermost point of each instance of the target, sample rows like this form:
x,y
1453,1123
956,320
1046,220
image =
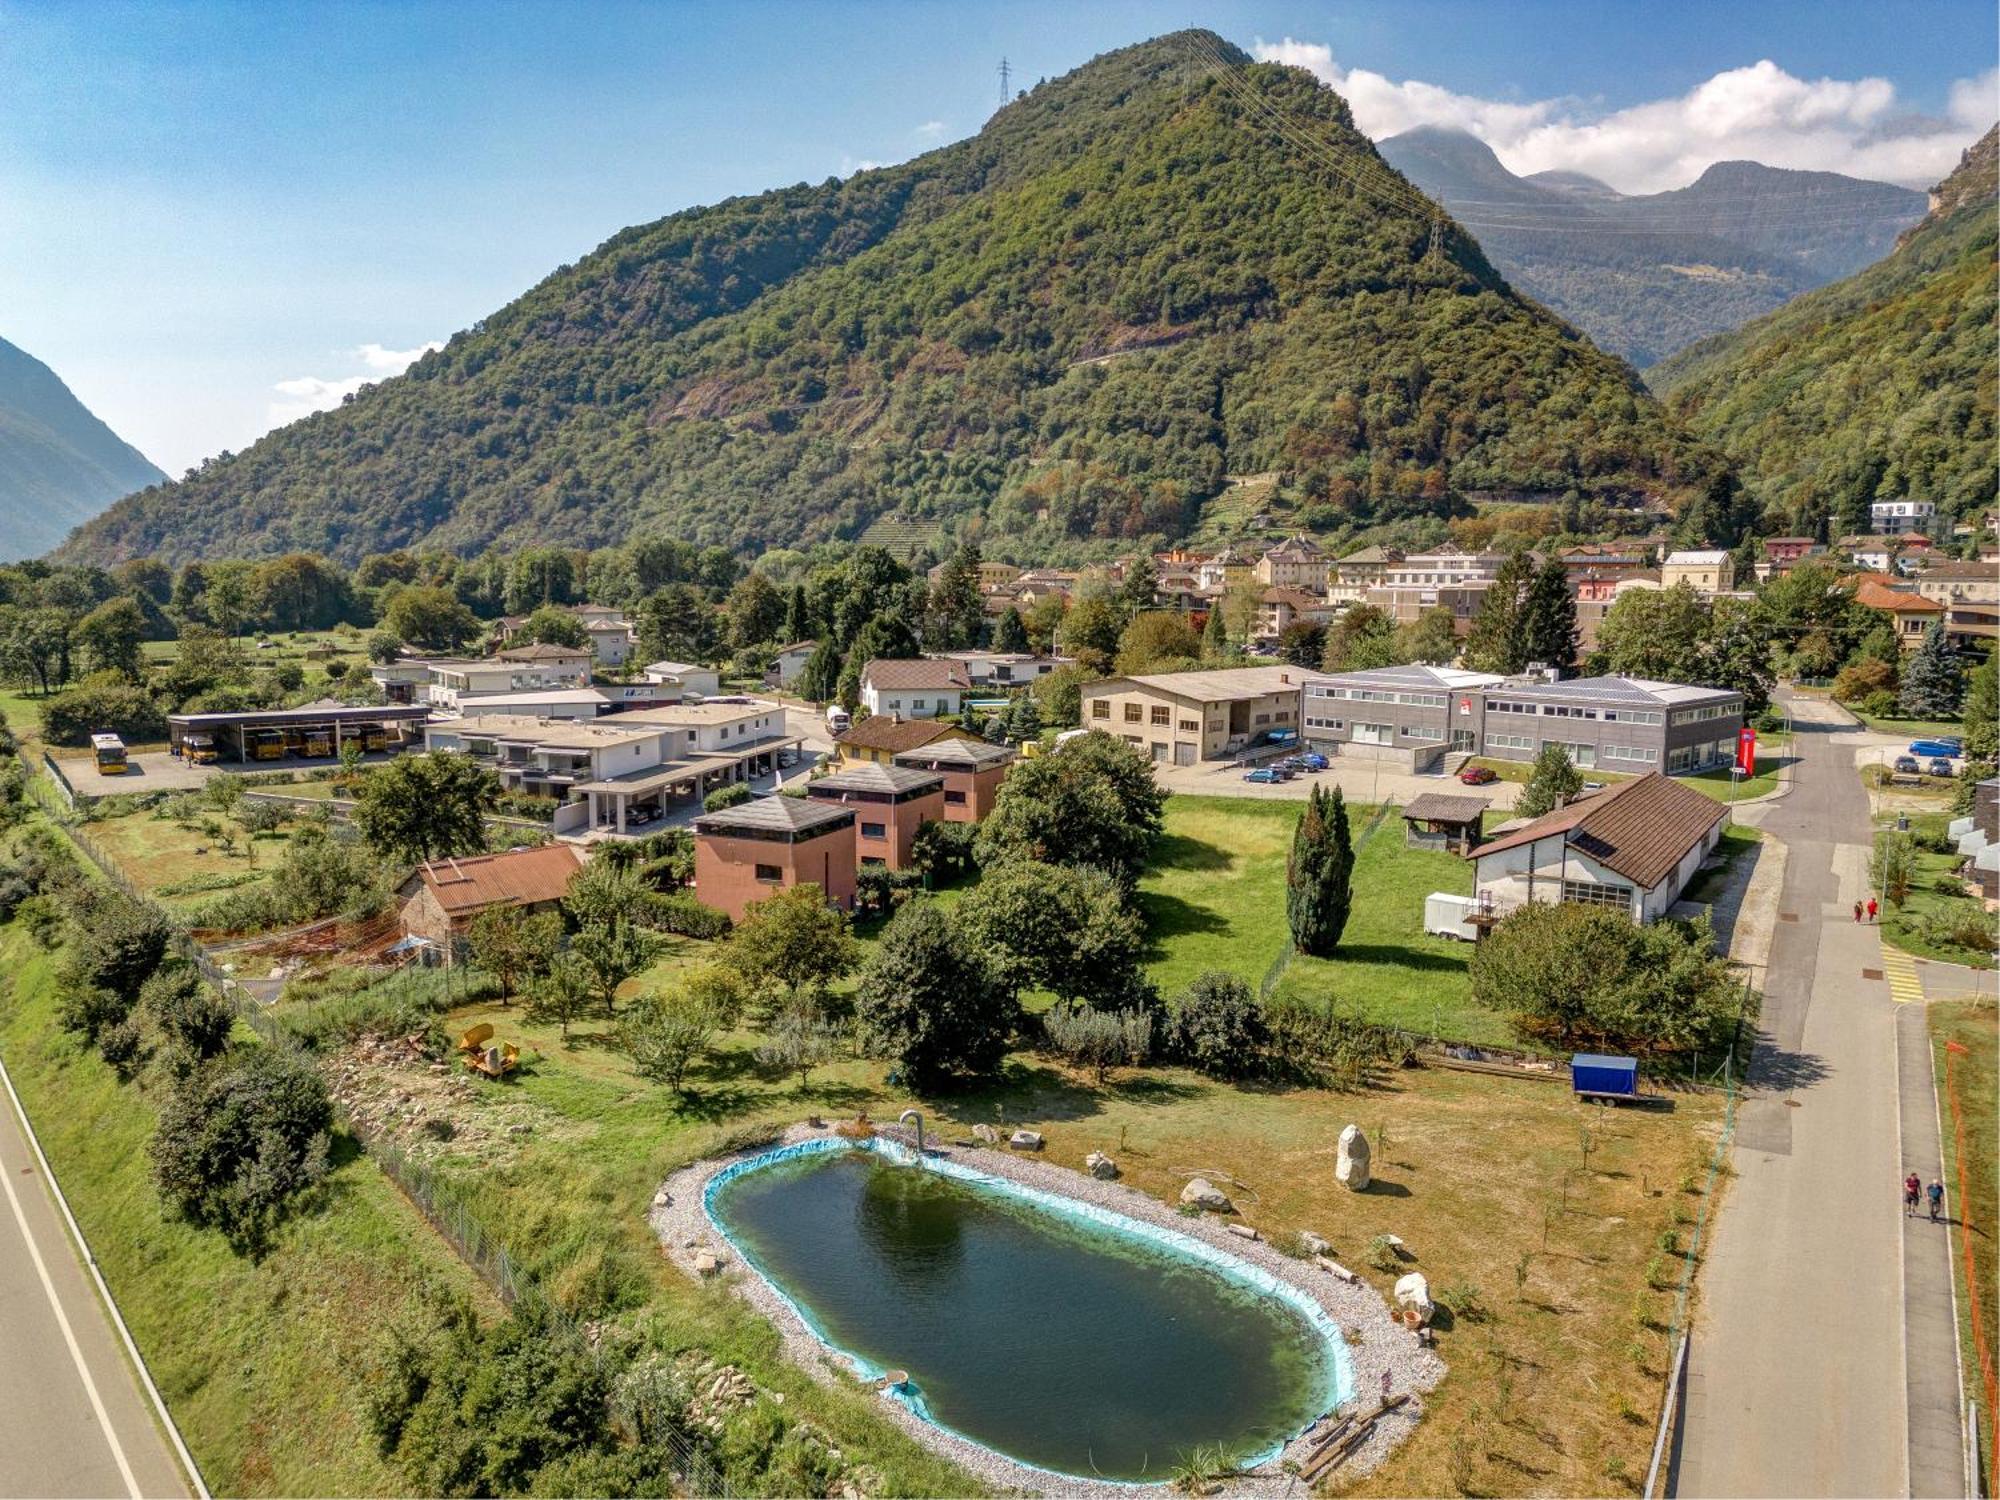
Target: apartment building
x,y
1185,717
1707,571
1001,670
1892,517
1226,570
1350,579
1910,613
1279,608
972,770
450,684
890,803
1298,562
1446,567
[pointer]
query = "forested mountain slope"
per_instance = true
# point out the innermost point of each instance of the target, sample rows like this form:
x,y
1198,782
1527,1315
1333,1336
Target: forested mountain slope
x,y
1879,386
1648,274
59,465
1066,331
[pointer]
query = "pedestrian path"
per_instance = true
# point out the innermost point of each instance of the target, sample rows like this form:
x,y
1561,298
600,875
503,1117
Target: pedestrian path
x,y
1901,972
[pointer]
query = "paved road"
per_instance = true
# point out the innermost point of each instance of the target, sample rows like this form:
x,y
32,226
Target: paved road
x,y
73,1420
1800,1378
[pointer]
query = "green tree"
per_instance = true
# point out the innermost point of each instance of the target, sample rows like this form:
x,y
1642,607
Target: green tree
x,y
1214,634
677,624
563,993
1362,638
1548,626
797,1041
1060,695
666,1035
933,1002
514,948
424,807
1303,643
956,609
1892,867
1498,639
799,623
1140,586
1431,638
756,611
1655,633
1552,783
1089,632
819,678
1217,1027
1933,683
1063,929
551,626
1319,875
187,1011
1982,710
1009,634
431,619
793,944
1153,640
1090,801
111,636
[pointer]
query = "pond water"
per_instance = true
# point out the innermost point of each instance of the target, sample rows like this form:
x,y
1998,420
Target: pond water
x,y
1053,1339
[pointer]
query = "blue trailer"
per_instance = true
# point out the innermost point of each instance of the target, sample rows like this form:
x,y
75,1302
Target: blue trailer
x,y
1595,1076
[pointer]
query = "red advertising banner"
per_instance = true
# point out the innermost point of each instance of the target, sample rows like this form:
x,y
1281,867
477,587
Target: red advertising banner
x,y
1746,750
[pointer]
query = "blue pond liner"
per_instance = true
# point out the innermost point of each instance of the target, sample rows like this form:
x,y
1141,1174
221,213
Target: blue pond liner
x,y
1339,1385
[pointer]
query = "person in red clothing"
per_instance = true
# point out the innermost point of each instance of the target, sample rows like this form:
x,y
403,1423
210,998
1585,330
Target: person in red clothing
x,y
1871,908
1913,1188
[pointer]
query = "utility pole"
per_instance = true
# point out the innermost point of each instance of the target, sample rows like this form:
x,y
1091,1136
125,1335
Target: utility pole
x,y
1006,74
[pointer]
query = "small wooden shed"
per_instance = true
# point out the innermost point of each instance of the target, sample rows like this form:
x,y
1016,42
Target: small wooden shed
x,y
1438,820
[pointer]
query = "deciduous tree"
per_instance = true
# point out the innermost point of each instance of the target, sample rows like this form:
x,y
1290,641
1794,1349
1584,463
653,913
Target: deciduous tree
x,y
933,1001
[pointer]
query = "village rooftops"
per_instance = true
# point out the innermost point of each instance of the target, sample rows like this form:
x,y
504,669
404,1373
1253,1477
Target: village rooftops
x,y
959,755
893,733
871,778
519,877
1297,546
1639,829
1373,555
542,651
916,673
1223,685
765,816
1985,572
1877,595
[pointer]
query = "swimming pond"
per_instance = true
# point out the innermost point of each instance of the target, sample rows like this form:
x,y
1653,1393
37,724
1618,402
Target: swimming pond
x,y
1052,1331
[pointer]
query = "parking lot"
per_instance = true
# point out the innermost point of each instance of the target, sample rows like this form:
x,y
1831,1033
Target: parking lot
x,y
147,771
1359,780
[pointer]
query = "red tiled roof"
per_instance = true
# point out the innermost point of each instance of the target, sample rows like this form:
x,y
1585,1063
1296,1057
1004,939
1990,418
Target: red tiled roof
x,y
1639,829
1895,601
520,877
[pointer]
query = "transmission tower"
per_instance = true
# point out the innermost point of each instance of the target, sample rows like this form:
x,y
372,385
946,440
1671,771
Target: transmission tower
x,y
1006,74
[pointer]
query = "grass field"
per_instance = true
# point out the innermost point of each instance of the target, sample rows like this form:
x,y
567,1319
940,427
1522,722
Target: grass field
x,y
1903,927
1774,755
1915,729
262,1363
1969,1097
164,859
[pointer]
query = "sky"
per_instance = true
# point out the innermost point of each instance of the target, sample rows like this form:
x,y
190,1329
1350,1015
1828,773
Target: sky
x,y
217,217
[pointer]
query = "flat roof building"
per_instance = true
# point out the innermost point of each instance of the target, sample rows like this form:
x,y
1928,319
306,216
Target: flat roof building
x,y
1185,717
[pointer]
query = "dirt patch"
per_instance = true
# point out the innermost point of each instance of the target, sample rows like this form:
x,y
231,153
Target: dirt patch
x,y
436,1111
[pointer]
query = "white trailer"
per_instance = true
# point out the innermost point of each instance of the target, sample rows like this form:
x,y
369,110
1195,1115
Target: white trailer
x,y
1449,916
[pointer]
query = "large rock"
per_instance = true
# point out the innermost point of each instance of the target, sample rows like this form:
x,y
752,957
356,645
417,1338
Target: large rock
x,y
1100,1166
1352,1168
986,1135
1414,1292
1025,1140
1312,1244
1204,1194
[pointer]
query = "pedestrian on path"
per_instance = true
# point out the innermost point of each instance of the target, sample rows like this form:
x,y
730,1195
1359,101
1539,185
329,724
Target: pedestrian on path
x,y
1936,1191
1857,911
1871,908
1913,1189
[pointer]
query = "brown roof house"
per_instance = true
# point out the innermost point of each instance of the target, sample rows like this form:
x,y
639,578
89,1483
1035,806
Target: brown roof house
x,y
890,803
915,687
1634,846
445,897
757,848
972,771
882,737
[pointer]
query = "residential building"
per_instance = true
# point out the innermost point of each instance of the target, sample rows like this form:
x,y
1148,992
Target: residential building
x,y
558,661
1893,517
890,804
1001,669
1781,554
1709,571
611,641
1226,570
1281,607
1350,579
1909,612
1298,562
528,669
1415,716
992,575
1185,717
787,662
444,897
917,688
1447,566
1874,554
752,851
405,680
880,738
972,770
1633,847
1405,604
1954,582
1601,559
1595,591
693,679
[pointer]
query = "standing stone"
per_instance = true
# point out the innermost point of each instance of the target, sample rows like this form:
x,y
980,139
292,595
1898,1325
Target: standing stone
x,y
1352,1168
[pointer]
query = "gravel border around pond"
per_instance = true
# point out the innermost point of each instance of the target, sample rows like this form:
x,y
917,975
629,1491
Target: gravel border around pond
x,y
1376,1345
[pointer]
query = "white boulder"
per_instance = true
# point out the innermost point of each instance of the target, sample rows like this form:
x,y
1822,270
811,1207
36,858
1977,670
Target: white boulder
x,y
1414,1292
1204,1194
1352,1166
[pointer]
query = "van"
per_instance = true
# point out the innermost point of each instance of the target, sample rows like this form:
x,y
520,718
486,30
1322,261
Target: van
x,y
838,720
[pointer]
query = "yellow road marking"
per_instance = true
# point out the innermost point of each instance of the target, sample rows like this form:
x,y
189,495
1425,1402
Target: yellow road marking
x,y
1901,972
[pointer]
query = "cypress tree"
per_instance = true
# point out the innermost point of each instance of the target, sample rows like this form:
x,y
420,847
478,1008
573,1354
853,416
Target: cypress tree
x,y
1214,639
1548,624
798,617
819,678
1010,634
1319,876
1933,686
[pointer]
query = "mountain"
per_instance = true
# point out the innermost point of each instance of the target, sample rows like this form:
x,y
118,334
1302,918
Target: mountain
x,y
1882,385
1065,333
59,465
1646,275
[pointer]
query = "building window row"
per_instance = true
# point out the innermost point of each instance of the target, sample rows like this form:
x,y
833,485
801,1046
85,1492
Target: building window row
x,y
1510,742
1703,715
1580,755
1371,695
1585,893
1422,732
1640,753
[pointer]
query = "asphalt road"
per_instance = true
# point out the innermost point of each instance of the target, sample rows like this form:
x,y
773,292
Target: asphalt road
x,y
73,1419
1797,1378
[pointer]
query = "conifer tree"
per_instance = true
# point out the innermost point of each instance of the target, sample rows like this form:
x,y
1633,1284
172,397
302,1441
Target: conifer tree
x,y
798,615
1141,583
1010,634
1214,638
1553,782
1497,641
1548,620
1319,876
1933,685
819,678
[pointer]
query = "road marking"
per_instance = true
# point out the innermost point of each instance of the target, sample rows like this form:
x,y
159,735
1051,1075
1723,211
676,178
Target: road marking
x,y
1905,988
69,1338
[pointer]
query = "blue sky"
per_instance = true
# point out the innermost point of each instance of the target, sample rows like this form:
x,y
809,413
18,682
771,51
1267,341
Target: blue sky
x,y
214,216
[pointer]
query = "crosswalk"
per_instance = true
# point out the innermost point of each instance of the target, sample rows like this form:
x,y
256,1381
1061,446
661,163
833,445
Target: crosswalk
x,y
1905,988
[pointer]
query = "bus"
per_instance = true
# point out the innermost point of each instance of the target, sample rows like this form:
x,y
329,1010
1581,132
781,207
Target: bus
x,y
110,752
199,749
267,744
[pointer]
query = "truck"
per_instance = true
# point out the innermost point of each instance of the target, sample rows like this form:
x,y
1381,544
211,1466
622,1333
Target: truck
x,y
1594,1075
838,719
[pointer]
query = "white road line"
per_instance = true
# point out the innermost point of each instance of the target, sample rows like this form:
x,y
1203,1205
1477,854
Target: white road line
x,y
69,1338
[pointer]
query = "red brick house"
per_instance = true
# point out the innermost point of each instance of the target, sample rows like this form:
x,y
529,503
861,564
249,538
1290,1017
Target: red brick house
x,y
754,850
890,803
445,897
972,771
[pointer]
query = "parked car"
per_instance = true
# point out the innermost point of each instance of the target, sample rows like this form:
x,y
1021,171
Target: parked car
x,y
1478,775
1314,761
1945,748
788,758
1908,764
1264,774
1942,767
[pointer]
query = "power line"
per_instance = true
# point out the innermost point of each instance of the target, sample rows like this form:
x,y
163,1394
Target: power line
x,y
1006,74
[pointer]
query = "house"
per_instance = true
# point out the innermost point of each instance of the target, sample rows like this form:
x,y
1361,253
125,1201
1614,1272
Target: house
x,y
1349,579
1444,567
693,679
972,770
918,687
1893,517
1278,608
525,669
880,738
1978,838
1710,571
444,897
1953,582
758,848
787,662
1634,846
1783,553
890,804
1002,669
1909,612
611,641
1298,562
1185,717
1226,570
1600,559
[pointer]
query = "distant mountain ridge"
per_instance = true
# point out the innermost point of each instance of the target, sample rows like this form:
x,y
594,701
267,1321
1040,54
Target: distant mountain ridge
x,y
1645,275
59,464
1064,334
1880,386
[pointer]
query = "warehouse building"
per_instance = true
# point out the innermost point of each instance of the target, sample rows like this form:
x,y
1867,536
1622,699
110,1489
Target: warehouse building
x,y
1185,717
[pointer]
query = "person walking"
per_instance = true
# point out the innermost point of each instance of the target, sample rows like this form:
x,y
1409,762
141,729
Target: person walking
x,y
1857,911
1913,1189
1936,1192
1871,908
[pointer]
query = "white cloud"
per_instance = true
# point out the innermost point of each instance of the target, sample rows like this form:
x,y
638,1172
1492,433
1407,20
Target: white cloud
x,y
930,130
303,395
1757,113
849,165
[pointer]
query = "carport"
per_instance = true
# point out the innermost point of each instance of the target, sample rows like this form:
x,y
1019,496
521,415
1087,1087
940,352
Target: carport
x,y
235,732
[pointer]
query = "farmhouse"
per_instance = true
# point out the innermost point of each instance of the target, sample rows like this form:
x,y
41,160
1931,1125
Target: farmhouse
x,y
890,803
1185,717
972,771
442,900
1634,846
754,850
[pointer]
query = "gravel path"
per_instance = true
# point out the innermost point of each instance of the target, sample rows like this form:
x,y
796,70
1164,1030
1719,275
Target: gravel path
x,y
1376,1345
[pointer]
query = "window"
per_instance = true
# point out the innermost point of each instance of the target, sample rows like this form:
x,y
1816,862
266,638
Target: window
x,y
1160,715
1373,734
1132,713
954,799
1632,752
1422,732
1100,708
1586,894
1190,726
1509,742
770,873
919,705
1261,719
874,831
1703,715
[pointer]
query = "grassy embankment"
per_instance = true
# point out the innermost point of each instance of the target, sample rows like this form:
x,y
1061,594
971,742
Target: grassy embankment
x,y
1934,887
1974,1122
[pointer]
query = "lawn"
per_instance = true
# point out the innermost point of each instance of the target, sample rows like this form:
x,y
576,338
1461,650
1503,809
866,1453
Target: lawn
x,y
1773,757
1903,927
1971,1122
183,867
1915,729
261,1362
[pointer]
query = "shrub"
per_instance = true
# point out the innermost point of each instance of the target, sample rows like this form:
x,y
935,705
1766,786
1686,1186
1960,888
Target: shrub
x,y
1099,1040
684,916
128,712
933,1001
945,850
1317,1041
665,1036
118,942
1218,1027
733,795
877,888
1865,680
188,1012
121,1046
1958,923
